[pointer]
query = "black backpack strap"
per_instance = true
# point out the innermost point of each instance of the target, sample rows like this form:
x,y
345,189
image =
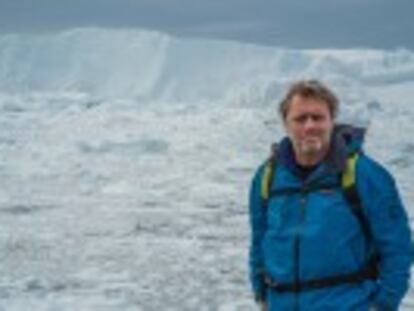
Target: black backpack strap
x,y
367,273
352,197
350,191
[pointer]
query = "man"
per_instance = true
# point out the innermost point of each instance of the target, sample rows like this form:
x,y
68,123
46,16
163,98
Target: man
x,y
329,231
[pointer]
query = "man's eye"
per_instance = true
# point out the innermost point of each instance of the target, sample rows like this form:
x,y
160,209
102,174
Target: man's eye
x,y
301,119
317,118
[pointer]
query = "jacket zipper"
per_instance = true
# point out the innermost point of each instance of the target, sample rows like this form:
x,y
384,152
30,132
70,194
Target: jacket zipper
x,y
297,248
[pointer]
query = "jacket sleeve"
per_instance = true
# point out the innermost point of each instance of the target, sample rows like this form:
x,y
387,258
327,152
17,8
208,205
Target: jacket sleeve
x,y
390,230
257,226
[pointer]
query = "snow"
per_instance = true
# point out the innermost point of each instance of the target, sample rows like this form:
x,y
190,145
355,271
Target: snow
x,y
126,158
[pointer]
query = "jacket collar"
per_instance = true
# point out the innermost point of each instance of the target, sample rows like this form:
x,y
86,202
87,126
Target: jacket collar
x,y
345,140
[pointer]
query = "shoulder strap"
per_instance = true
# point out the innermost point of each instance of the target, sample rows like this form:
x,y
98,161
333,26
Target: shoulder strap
x,y
267,176
350,190
349,175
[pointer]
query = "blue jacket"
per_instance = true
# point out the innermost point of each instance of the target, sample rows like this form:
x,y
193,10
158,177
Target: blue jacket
x,y
315,235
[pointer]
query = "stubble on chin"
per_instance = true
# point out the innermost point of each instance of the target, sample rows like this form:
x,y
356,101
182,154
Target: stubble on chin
x,y
310,148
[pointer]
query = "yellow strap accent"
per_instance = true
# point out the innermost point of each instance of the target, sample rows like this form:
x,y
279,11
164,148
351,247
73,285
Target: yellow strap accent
x,y
348,177
265,180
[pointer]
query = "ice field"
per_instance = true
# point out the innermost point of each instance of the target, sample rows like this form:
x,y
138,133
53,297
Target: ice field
x,y
126,158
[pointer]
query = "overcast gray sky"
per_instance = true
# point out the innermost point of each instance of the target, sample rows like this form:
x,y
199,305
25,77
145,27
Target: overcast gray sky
x,y
385,24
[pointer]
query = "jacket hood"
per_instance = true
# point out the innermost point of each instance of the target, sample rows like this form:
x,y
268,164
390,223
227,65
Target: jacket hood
x,y
346,140
348,137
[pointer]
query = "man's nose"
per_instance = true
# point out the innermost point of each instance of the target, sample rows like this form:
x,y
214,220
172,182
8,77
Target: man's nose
x,y
310,122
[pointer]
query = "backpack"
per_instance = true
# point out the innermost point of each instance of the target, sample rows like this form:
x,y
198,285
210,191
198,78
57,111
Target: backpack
x,y
350,192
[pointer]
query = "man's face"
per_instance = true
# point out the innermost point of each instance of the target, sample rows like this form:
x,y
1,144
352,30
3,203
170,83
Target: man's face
x,y
309,125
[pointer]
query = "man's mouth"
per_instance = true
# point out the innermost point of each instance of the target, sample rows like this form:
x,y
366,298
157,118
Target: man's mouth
x,y
312,139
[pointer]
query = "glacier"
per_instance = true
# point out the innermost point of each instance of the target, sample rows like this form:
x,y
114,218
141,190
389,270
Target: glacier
x,y
127,157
